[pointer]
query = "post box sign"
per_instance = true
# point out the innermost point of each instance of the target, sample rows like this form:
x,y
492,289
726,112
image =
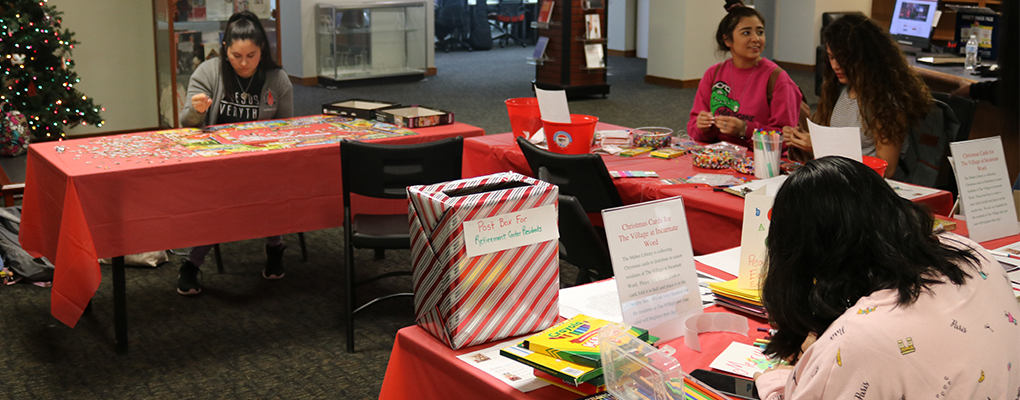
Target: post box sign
x,y
485,257
506,231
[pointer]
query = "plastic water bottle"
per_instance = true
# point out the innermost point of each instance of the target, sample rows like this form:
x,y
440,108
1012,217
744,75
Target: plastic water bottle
x,y
972,57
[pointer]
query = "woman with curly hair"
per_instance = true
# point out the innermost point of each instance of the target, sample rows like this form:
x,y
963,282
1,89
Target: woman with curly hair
x,y
869,303
867,84
745,92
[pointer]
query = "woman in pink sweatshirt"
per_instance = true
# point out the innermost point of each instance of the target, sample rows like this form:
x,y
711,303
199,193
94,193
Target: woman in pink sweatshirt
x,y
882,307
733,97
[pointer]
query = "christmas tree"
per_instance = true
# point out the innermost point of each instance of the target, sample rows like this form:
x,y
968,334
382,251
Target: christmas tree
x,y
38,76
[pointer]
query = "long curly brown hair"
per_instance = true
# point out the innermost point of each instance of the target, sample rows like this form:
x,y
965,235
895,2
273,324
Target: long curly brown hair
x,y
892,97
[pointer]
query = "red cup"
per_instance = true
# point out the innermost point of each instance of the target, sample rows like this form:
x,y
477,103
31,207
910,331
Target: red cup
x,y
575,137
525,118
876,164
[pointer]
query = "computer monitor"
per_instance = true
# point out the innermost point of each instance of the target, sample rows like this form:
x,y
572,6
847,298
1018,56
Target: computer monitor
x,y
911,24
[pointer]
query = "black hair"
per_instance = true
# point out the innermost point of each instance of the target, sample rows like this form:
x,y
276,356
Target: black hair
x,y
244,25
838,233
735,11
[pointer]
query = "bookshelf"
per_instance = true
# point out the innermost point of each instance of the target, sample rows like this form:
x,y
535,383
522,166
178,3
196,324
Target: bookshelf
x,y
565,65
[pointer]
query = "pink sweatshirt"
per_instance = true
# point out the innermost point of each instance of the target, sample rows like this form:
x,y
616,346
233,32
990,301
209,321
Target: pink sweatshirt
x,y
955,342
743,93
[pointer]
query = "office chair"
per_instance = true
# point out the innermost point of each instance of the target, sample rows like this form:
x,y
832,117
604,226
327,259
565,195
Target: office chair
x,y
509,19
583,176
964,110
384,172
452,24
581,244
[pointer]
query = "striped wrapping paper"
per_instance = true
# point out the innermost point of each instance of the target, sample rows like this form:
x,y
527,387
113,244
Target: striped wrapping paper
x,y
464,301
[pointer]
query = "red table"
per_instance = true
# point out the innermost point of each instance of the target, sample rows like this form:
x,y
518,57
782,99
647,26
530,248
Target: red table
x,y
422,367
106,200
715,214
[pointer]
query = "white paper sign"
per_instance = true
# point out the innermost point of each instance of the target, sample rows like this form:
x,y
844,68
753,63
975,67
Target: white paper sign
x,y
507,370
507,231
552,104
757,218
650,246
984,187
828,141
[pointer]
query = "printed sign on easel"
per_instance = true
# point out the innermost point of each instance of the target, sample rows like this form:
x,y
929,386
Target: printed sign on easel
x,y
984,188
650,246
757,216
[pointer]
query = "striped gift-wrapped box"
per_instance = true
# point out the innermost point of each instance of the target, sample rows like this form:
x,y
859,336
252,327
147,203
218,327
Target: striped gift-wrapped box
x,y
466,300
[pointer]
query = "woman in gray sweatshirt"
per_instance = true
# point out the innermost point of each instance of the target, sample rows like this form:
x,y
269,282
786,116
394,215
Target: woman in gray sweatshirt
x,y
243,84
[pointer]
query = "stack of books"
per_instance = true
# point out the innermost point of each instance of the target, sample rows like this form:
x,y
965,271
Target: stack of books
x,y
729,295
567,354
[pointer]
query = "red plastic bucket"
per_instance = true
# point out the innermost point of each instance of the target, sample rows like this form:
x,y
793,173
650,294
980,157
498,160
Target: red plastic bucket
x,y
876,164
525,118
573,138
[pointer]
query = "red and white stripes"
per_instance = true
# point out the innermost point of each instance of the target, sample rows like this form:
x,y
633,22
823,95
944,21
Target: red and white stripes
x,y
463,300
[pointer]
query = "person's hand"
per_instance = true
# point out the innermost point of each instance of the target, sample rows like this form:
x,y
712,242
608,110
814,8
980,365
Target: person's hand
x,y
704,121
730,125
797,138
201,102
789,363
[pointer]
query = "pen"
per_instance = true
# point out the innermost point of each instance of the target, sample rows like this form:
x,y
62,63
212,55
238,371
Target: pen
x,y
771,332
1008,255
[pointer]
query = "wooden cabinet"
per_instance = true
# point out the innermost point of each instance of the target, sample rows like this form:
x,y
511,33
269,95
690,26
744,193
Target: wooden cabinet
x,y
565,66
190,31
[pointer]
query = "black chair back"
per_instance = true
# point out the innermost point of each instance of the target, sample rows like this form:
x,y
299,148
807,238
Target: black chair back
x,y
581,244
385,171
963,108
927,146
580,175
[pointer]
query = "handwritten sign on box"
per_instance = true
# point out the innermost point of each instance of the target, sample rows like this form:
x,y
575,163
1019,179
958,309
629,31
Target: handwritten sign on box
x,y
510,230
757,217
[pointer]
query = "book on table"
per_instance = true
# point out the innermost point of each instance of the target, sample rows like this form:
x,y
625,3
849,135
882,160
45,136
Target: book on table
x,y
571,373
575,340
545,13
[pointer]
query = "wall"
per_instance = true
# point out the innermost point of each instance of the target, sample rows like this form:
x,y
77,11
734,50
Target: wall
x,y
621,25
681,44
297,30
798,24
116,60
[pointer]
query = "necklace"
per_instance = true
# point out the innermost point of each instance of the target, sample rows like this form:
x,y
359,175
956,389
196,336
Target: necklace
x,y
747,82
244,93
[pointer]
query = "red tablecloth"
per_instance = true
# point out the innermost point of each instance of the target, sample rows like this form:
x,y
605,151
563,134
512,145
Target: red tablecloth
x,y
78,208
422,367
715,216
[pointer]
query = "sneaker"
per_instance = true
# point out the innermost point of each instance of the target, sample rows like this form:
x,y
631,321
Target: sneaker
x,y
274,262
187,280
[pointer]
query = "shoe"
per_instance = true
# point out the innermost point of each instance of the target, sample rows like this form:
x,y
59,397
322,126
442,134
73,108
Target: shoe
x,y
274,262
187,280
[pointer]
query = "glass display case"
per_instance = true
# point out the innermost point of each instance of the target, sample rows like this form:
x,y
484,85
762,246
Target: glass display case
x,y
370,40
189,32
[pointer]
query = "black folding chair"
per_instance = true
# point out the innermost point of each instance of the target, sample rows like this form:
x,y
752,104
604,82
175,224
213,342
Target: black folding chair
x,y
581,244
384,172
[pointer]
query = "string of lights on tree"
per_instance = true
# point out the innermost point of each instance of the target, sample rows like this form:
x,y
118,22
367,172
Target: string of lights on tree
x,y
38,76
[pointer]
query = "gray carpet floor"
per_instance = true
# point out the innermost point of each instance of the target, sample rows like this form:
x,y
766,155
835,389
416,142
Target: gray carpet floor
x,y
245,337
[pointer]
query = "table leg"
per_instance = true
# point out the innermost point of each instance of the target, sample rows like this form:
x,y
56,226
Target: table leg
x,y
119,306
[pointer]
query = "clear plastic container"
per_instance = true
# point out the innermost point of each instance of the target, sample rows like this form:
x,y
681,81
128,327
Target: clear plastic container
x,y
635,370
652,136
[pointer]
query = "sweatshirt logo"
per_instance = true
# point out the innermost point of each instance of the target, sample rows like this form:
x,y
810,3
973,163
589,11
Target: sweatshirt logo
x,y
270,99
